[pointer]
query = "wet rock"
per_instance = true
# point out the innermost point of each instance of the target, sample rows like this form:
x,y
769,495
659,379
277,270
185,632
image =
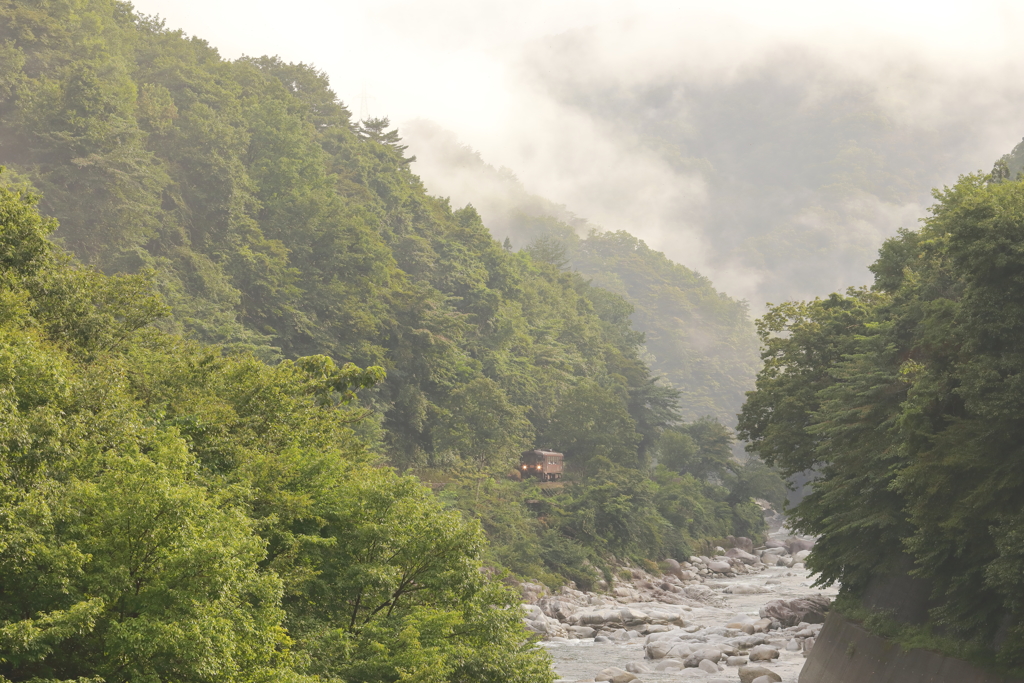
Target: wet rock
x,y
750,673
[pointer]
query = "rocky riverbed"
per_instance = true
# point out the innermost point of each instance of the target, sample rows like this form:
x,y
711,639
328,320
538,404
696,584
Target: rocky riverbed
x,y
738,616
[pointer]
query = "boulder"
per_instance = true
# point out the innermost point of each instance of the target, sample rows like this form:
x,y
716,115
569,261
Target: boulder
x,y
632,617
736,661
764,679
581,632
680,651
811,609
719,567
741,542
763,653
615,675
774,543
795,545
708,666
602,639
658,649
802,555
670,567
793,645
638,668
741,555
749,673
669,665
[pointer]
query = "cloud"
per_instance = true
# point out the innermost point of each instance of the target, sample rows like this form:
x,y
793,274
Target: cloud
x,y
771,146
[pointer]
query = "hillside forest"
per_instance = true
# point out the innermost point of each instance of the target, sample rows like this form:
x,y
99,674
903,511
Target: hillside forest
x,y
239,339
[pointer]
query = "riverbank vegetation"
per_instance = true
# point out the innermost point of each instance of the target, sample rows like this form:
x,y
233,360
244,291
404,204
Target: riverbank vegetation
x,y
905,399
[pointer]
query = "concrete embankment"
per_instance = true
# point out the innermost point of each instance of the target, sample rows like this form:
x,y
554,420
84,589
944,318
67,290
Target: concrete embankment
x,y
846,653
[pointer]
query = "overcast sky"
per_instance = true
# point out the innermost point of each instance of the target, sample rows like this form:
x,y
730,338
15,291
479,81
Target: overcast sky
x,y
454,61
470,66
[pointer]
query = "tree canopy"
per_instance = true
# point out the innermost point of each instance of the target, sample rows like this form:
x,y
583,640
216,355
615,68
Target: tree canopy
x,y
905,399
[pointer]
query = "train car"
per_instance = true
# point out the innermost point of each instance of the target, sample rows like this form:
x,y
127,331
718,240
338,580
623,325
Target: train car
x,y
545,465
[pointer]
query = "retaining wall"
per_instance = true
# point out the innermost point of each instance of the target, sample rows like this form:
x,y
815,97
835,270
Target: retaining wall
x,y
845,653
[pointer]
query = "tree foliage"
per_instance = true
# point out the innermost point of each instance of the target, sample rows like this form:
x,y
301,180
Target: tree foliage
x,y
905,399
172,512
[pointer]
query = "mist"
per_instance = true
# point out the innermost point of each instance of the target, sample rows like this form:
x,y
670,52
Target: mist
x,y
772,149
777,176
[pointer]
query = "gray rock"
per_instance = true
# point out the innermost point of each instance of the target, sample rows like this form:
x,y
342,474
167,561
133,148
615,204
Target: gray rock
x,y
602,639
582,632
680,651
669,665
719,567
741,542
763,653
615,675
775,543
811,609
736,661
808,644
631,617
533,612
741,555
749,673
712,653
763,679
708,666
793,645
638,668
795,545
802,555
658,649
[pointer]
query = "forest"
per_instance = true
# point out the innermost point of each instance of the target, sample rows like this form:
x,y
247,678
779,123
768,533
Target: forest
x,y
905,398
239,340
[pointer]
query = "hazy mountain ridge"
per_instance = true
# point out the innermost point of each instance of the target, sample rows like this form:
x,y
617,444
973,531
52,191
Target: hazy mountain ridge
x,y
699,339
